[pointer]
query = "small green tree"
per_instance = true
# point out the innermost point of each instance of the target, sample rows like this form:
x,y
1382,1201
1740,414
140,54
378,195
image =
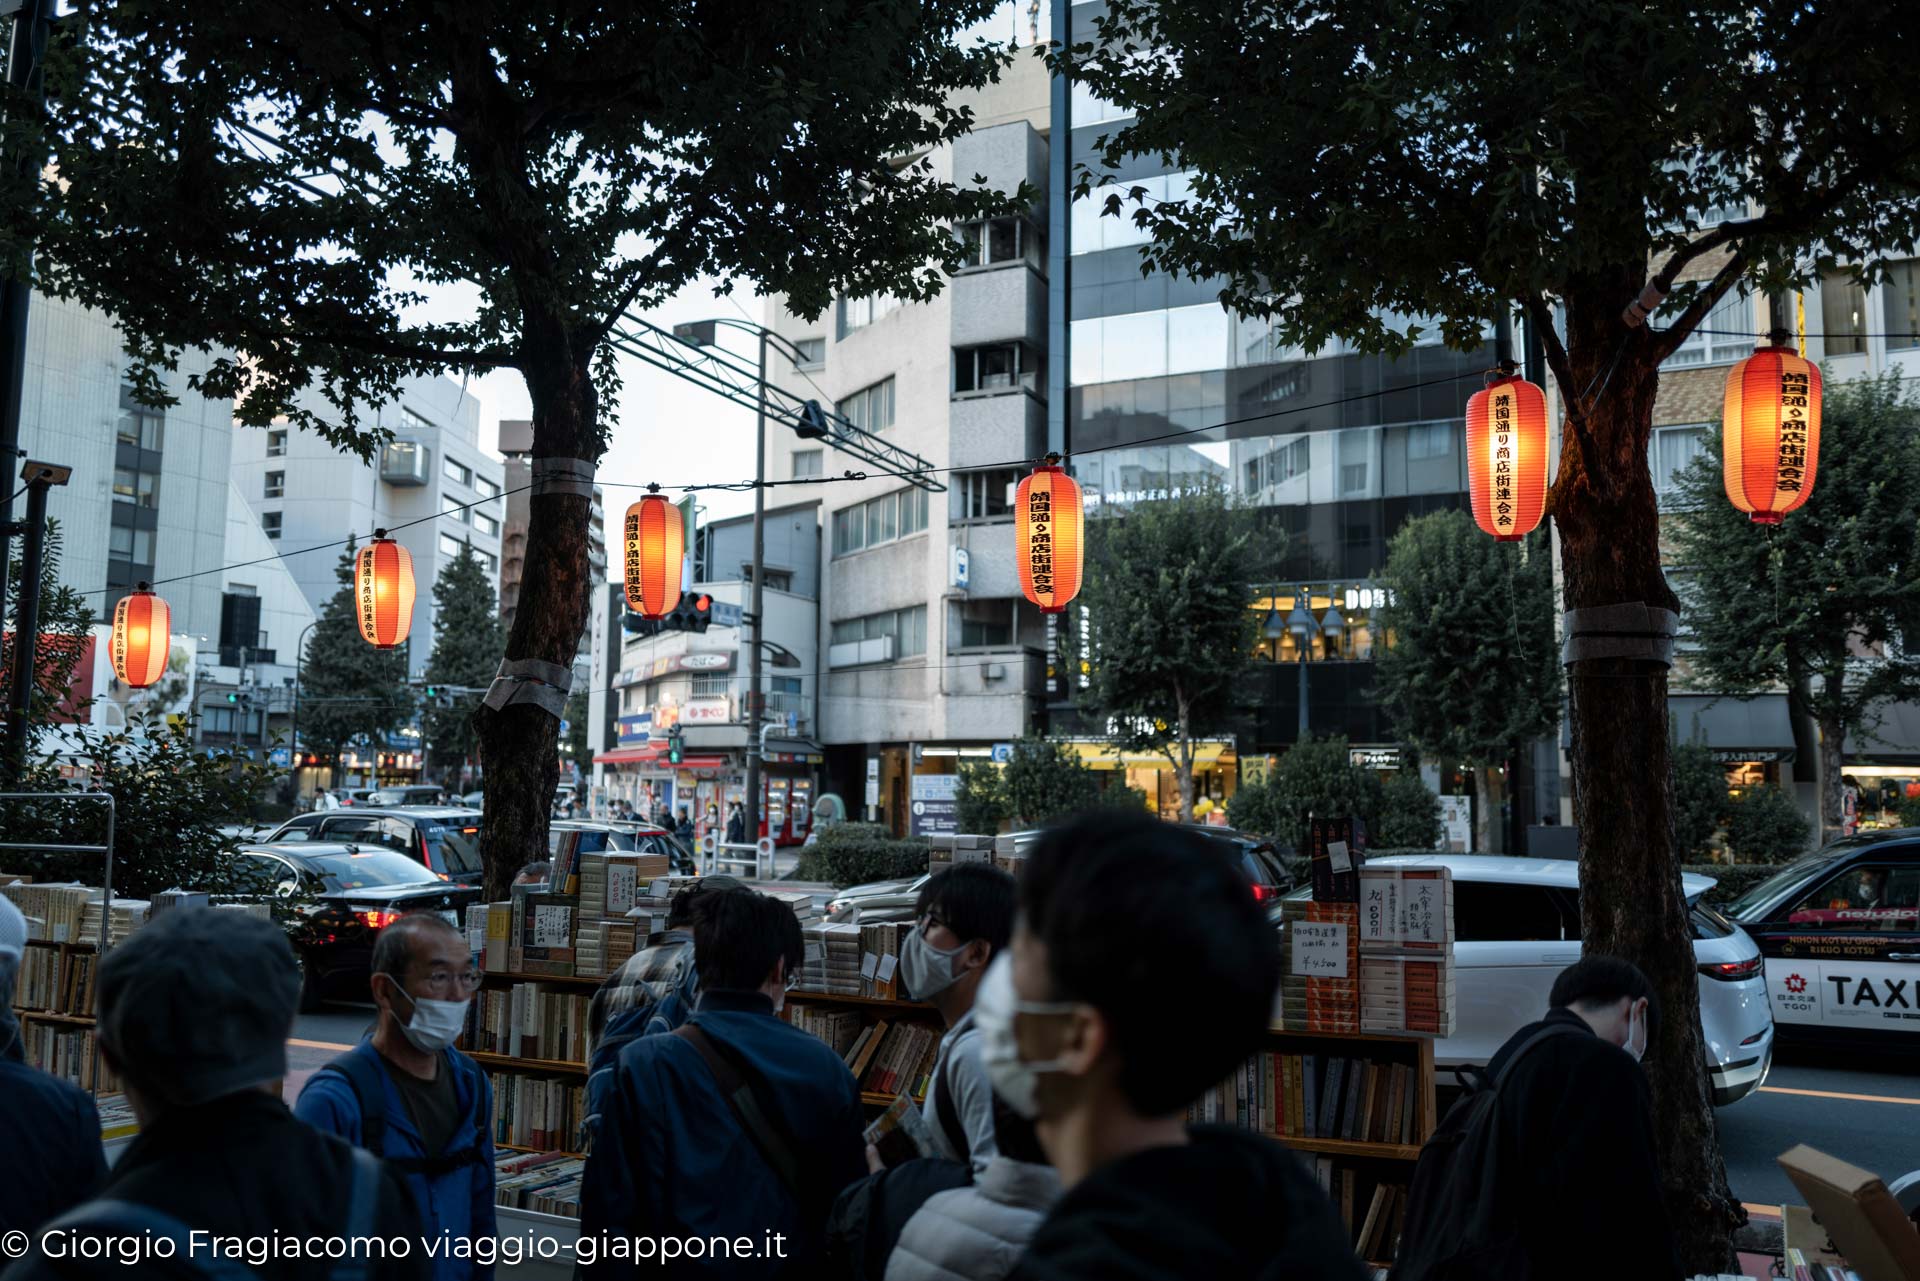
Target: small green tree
x,y
1165,599
350,691
980,797
1409,814
66,625
467,645
1473,669
1044,780
1699,800
1765,825
1314,777
1821,603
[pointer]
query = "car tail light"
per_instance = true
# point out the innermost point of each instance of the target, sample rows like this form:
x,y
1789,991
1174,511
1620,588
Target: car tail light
x,y
1262,893
1733,971
376,920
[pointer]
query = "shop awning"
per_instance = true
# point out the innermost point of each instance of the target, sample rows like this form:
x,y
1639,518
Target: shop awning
x,y
794,751
630,756
1895,741
1736,729
1100,756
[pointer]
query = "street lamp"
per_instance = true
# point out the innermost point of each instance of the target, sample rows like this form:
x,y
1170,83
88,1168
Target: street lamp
x,y
299,663
705,333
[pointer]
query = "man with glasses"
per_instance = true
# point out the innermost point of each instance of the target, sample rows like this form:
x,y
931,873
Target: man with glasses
x,y
405,1094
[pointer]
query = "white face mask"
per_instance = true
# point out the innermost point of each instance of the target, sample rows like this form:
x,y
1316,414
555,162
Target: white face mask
x,y
928,971
1636,1032
435,1024
994,1007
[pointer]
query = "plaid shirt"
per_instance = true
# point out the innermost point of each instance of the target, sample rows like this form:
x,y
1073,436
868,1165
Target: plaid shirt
x,y
661,976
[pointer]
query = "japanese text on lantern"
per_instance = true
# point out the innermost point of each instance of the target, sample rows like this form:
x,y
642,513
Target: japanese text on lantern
x,y
366,577
633,546
1794,399
1040,539
1500,443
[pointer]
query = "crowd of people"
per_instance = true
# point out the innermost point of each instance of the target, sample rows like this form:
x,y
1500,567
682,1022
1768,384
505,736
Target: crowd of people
x,y
1085,1006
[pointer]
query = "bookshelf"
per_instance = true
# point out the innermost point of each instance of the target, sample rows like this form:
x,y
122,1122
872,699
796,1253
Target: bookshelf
x,y
871,1012
54,1000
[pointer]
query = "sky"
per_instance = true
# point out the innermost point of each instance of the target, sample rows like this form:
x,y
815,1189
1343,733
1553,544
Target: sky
x,y
667,430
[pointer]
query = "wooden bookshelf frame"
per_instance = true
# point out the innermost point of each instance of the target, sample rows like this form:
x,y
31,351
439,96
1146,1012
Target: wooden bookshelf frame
x,y
1412,1048
916,1011
62,1018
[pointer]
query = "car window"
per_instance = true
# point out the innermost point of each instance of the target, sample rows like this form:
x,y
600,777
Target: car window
x,y
370,867
456,845
300,829
260,874
1742,907
1709,924
397,834
1487,911
349,829
1872,898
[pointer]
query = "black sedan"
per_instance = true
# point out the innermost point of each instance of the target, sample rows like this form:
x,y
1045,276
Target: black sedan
x,y
1840,931
345,895
444,837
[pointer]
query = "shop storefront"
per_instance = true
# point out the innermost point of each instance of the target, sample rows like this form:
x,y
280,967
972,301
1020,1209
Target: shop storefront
x,y
1216,773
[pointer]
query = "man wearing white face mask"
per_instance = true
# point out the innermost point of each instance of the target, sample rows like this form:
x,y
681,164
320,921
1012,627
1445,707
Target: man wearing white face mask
x,y
405,1094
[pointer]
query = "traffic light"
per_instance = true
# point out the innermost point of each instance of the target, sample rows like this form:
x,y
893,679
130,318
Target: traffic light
x,y
694,613
813,422
676,746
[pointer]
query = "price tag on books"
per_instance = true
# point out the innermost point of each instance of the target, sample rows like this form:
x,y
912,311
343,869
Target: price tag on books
x,y
888,964
1319,949
869,965
816,954
1337,855
551,926
1425,912
657,888
621,878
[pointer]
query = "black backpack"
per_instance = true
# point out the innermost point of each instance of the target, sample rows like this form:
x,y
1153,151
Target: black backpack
x,y
1457,1224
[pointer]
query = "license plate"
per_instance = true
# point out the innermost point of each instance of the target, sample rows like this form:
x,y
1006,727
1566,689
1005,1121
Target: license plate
x,y
449,918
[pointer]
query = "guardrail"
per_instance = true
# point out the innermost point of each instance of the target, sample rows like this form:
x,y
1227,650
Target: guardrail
x,y
754,861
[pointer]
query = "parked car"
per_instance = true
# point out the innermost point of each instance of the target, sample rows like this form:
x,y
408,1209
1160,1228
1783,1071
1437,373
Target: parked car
x,y
445,838
879,901
596,835
1517,925
411,794
1840,930
345,895
472,799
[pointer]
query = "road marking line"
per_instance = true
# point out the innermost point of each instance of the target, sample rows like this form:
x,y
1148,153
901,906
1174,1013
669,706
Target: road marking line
x,y
1763,1211
335,1045
1826,1094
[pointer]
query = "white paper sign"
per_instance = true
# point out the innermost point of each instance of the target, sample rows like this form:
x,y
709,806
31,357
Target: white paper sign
x,y
656,925
657,888
1337,855
1380,909
1422,916
869,965
1319,949
888,964
552,926
816,954
622,880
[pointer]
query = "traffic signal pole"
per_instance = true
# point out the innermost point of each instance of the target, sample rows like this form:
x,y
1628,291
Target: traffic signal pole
x,y
752,810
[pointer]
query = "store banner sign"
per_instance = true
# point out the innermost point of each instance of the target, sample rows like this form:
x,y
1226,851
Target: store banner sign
x,y
1456,818
936,807
633,731
706,711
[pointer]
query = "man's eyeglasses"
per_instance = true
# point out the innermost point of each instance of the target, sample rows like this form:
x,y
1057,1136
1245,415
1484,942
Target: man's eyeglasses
x,y
465,982
929,922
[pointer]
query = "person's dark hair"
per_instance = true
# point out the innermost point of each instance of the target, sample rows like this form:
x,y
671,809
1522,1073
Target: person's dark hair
x,y
739,935
1151,926
975,900
1601,980
393,951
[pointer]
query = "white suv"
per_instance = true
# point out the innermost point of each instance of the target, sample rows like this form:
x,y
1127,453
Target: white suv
x,y
1517,925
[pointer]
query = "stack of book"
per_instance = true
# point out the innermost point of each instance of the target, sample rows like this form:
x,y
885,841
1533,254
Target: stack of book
x,y
945,851
832,962
896,1057
1406,945
498,952
126,915
36,984
67,1053
838,1028
117,1120
1373,1208
543,934
545,1182
1337,849
1316,1096
260,910
1006,856
542,1113
880,957
53,912
611,882
531,1021
1319,987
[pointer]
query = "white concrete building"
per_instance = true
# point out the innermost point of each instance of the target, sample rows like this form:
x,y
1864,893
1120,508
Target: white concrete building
x,y
305,493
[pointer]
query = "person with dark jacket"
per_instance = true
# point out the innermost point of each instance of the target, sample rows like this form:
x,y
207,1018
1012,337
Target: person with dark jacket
x,y
195,1012
679,1155
1579,1117
1104,1041
736,825
431,1106
49,1128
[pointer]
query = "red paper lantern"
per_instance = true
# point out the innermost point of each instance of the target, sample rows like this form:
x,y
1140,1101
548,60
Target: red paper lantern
x,y
1770,431
383,589
142,637
656,545
1050,536
1507,457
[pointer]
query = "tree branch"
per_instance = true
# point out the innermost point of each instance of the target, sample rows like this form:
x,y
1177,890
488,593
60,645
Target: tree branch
x,y
1670,338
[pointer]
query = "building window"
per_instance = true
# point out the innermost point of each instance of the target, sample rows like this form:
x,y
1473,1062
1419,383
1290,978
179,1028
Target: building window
x,y
813,353
879,520
270,522
140,425
1277,466
276,443
276,486
451,546
981,624
858,313
1673,449
774,580
985,495
487,488
126,543
486,524
1727,334
1000,367
488,561
907,627
455,472
454,509
996,240
414,422
808,463
1843,313
1902,305
1429,440
140,488
711,684
870,408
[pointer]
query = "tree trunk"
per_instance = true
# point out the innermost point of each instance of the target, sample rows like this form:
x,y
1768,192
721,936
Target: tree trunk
x,y
1183,767
1482,809
1806,739
519,744
1632,905
1833,779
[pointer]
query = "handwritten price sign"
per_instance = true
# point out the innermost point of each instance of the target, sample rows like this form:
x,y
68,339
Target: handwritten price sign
x,y
1319,949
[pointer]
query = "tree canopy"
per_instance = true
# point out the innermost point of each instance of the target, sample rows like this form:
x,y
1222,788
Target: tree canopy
x,y
467,645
